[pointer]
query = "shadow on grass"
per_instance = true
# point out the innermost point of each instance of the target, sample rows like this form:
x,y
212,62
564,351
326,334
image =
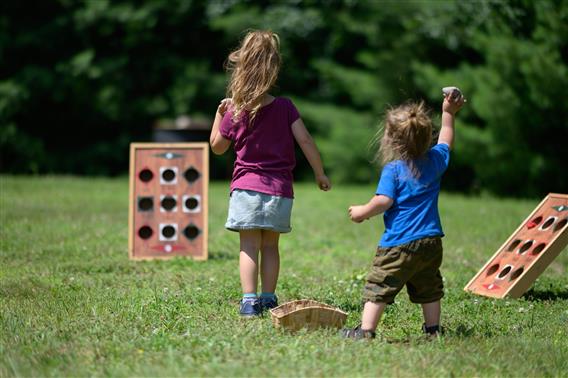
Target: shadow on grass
x,y
27,288
545,295
222,255
461,331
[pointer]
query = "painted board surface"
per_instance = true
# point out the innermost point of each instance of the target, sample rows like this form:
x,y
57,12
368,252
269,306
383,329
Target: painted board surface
x,y
168,200
528,251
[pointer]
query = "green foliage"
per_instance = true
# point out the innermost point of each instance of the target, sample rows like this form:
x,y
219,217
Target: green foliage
x,y
517,93
72,304
80,79
343,137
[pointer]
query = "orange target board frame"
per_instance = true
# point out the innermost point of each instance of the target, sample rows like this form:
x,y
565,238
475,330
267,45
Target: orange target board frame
x,y
168,209
526,254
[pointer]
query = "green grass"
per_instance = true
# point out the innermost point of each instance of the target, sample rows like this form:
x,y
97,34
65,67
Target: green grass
x,y
72,304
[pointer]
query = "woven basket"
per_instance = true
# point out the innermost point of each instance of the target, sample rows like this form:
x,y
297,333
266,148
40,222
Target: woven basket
x,y
306,313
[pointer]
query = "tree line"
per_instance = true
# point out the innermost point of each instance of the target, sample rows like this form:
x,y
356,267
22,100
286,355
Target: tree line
x,y
80,80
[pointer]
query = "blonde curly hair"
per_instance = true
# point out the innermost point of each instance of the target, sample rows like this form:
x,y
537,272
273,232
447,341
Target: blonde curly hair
x,y
406,135
254,68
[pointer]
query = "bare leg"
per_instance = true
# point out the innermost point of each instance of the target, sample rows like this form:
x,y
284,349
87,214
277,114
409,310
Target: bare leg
x,y
431,313
248,259
371,315
270,260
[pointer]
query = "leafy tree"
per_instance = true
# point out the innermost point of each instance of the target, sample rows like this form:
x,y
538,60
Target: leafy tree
x,y
516,128
79,81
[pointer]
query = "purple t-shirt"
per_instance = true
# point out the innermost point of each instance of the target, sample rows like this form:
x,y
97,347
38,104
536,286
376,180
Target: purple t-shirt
x,y
265,149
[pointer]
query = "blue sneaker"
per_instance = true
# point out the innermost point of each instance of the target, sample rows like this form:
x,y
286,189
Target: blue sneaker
x,y
266,303
250,307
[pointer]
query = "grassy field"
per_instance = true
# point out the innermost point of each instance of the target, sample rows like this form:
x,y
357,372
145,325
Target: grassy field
x,y
72,304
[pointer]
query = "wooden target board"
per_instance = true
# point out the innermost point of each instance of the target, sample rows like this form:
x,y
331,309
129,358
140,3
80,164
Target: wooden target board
x,y
527,252
168,200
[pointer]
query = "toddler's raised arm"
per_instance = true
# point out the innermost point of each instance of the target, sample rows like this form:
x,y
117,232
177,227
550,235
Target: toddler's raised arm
x,y
450,107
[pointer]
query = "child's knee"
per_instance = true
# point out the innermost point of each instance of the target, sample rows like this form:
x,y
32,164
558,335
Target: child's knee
x,y
250,240
269,241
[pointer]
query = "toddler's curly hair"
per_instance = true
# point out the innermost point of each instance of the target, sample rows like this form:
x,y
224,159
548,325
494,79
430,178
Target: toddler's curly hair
x,y
406,135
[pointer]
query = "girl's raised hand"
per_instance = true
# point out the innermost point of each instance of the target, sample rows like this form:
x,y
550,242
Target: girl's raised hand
x,y
224,105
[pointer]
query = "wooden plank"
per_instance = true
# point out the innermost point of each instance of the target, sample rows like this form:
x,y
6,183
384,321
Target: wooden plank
x,y
130,203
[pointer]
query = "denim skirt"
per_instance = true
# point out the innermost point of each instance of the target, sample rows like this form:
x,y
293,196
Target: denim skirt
x,y
250,210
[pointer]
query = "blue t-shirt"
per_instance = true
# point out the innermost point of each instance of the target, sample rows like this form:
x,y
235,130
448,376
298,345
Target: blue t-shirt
x,y
414,212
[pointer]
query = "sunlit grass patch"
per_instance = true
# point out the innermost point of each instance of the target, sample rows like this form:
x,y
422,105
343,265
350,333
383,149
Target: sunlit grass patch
x,y
71,303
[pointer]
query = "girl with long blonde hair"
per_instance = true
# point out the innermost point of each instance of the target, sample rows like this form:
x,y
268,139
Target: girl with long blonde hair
x,y
262,129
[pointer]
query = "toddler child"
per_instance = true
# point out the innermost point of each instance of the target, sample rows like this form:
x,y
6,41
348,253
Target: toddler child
x,y
410,250
262,129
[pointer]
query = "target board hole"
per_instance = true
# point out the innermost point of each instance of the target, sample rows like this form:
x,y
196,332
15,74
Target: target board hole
x,y
191,203
548,223
516,273
168,175
168,232
538,249
145,175
145,232
514,245
191,232
168,203
560,225
505,271
526,246
145,203
191,175
493,269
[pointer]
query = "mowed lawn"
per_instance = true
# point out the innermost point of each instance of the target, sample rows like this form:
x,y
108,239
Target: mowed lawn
x,y
73,304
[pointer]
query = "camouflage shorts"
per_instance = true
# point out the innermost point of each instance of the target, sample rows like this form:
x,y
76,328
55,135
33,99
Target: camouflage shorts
x,y
415,264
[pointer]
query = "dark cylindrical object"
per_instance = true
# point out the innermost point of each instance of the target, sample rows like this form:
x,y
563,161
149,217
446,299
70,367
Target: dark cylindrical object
x,y
183,129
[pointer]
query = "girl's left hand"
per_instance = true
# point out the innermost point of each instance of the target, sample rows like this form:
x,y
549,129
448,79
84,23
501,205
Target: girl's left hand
x,y
323,183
